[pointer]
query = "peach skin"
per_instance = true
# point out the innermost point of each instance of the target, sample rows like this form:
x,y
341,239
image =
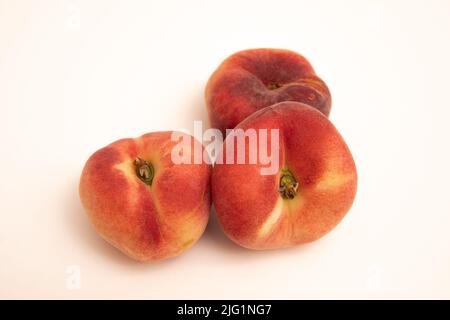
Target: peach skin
x,y
311,191
252,79
141,202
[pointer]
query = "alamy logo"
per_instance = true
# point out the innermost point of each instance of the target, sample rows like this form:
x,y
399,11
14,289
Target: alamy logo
x,y
251,146
73,278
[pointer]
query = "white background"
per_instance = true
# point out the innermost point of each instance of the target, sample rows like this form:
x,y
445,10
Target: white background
x,y
77,75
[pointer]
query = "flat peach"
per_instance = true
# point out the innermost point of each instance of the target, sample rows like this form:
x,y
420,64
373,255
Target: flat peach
x,y
309,194
141,202
250,80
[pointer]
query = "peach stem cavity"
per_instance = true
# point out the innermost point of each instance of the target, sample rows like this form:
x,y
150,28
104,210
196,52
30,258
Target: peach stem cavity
x,y
144,171
288,185
273,85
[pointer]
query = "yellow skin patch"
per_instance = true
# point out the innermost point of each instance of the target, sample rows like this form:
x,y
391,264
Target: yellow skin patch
x,y
282,207
127,168
332,180
272,219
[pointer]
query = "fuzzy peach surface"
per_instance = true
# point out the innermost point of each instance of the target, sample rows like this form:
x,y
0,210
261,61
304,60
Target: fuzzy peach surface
x,y
147,223
249,206
250,80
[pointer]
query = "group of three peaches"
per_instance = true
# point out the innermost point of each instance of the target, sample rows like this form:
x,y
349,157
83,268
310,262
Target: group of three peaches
x,y
151,208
